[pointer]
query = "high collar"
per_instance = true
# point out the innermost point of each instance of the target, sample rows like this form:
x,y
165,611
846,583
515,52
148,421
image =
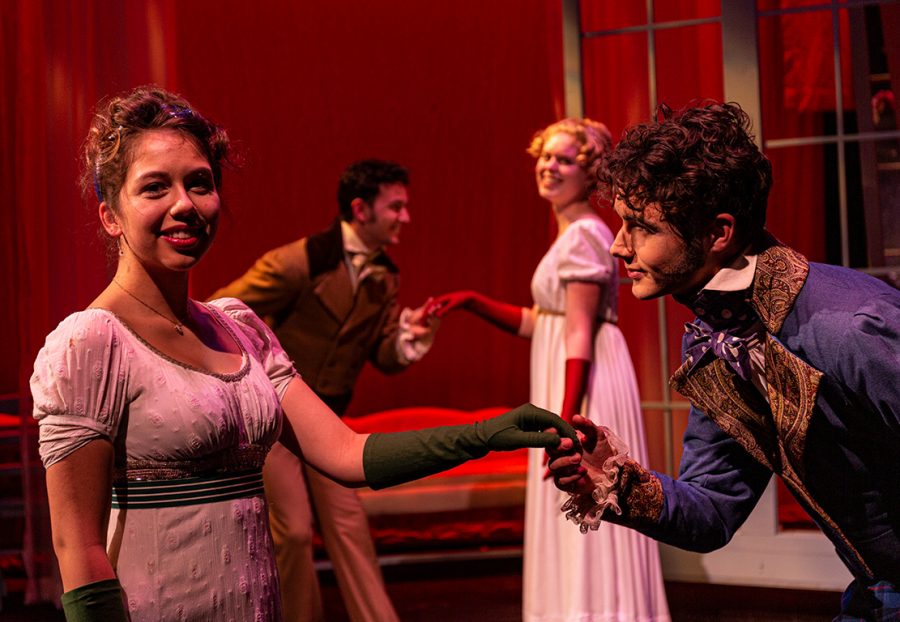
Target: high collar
x,y
773,275
779,276
736,276
353,244
325,251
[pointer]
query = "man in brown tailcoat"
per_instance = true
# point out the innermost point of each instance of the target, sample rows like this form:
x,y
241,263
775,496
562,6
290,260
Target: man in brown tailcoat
x,y
331,299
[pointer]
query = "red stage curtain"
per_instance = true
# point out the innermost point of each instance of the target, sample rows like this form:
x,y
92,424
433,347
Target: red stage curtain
x,y
452,89
63,56
797,89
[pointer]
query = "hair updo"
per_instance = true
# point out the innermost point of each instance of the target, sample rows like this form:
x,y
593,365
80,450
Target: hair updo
x,y
120,120
593,137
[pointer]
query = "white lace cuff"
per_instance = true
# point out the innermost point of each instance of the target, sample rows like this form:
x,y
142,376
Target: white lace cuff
x,y
409,347
586,510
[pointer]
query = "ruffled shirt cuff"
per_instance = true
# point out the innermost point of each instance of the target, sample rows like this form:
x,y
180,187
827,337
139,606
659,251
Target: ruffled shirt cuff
x,y
410,348
586,510
621,486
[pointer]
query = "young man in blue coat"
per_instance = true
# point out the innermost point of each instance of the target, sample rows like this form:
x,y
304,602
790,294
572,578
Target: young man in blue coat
x,y
791,367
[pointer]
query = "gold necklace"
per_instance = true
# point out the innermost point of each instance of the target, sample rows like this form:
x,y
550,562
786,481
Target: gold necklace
x,y
179,327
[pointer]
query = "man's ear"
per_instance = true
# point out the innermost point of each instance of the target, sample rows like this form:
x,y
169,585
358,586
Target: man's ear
x,y
361,210
723,237
109,221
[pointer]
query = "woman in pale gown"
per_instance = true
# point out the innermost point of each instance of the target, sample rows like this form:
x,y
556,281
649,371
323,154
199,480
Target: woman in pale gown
x,y
156,411
579,364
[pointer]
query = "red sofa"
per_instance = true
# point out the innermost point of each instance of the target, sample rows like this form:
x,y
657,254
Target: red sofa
x,y
478,504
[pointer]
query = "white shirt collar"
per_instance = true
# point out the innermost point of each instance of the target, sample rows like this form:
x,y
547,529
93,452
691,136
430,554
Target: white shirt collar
x,y
735,276
352,243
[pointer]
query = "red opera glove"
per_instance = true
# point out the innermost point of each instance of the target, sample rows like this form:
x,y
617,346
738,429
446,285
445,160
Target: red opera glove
x,y
501,314
577,372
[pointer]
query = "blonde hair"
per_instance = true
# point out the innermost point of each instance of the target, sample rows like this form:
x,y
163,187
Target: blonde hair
x,y
594,139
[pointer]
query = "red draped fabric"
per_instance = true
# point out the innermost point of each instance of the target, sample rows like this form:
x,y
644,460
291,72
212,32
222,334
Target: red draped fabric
x,y
453,96
62,57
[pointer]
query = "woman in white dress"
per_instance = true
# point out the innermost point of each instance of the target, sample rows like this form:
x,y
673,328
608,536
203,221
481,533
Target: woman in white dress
x,y
579,364
156,411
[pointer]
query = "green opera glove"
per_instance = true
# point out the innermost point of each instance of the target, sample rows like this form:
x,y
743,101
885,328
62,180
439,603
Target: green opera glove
x,y
100,601
394,458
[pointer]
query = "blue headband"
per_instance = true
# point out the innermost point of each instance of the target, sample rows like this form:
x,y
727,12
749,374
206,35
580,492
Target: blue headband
x,y
179,112
97,190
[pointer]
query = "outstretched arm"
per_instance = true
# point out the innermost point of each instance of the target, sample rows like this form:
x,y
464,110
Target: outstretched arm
x,y
312,431
428,451
718,486
381,460
511,318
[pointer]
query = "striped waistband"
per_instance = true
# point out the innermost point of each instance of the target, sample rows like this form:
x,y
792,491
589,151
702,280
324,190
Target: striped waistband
x,y
169,493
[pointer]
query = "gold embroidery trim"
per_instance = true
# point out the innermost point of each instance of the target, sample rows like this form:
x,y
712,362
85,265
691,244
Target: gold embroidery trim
x,y
780,275
736,407
641,497
234,461
792,388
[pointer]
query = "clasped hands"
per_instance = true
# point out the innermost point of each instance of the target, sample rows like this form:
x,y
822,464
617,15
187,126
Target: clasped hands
x,y
575,467
427,317
422,322
441,305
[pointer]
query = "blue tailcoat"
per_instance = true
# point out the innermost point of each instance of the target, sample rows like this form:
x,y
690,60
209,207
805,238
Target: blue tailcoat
x,y
830,429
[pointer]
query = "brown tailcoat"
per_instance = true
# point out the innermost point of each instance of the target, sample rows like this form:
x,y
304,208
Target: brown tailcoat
x,y
304,291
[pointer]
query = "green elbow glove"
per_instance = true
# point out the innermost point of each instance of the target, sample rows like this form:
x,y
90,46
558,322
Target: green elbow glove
x,y
100,601
394,458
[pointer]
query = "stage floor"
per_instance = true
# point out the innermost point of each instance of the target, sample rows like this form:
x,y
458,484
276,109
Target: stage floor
x,y
464,590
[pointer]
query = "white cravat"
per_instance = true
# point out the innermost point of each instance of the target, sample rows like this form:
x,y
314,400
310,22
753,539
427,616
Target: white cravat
x,y
357,257
357,262
356,254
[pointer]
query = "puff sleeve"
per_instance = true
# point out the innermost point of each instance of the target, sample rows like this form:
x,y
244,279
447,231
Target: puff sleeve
x,y
263,344
80,384
584,252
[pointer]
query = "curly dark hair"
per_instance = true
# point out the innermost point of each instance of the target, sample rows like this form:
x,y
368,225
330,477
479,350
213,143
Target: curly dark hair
x,y
363,179
694,163
121,119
